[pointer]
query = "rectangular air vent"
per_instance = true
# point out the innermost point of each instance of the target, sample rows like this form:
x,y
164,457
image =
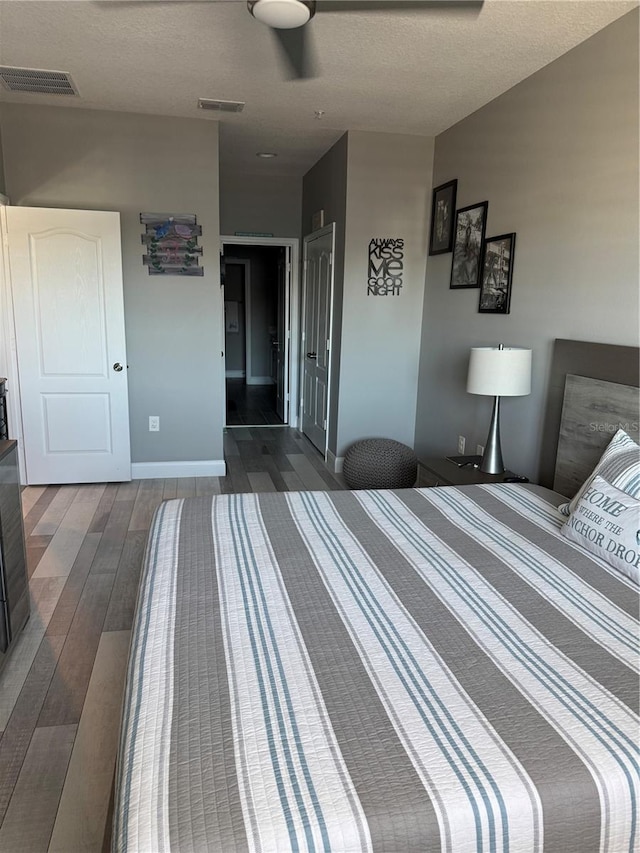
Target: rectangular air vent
x,y
36,80
221,106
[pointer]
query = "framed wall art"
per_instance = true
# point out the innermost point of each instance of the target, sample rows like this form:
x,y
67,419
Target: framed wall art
x,y
497,272
467,245
443,206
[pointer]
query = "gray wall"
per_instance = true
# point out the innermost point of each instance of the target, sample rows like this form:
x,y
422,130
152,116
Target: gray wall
x,y
557,158
325,188
61,157
388,188
260,203
373,185
234,351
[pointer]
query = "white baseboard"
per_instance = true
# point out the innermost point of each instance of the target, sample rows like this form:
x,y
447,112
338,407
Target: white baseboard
x,y
234,374
260,380
334,462
156,470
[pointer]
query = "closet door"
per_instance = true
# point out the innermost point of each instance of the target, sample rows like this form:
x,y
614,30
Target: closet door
x,y
66,286
316,334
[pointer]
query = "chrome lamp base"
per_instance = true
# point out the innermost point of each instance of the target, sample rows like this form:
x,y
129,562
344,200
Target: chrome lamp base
x,y
492,458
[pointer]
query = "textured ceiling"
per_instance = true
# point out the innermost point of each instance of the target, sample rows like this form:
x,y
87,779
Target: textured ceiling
x,y
401,72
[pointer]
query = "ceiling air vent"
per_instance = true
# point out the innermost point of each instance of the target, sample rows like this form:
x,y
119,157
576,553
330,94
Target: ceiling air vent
x,y
36,80
221,106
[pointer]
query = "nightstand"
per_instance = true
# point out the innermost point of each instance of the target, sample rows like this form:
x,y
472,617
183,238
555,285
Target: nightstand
x,y
438,471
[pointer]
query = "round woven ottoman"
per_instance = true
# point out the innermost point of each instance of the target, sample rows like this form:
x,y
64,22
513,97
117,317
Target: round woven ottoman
x,y
380,463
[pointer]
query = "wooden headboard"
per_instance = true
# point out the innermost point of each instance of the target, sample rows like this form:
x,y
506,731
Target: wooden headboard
x,y
606,362
592,412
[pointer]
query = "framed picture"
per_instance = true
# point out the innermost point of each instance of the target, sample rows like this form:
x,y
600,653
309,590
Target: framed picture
x,y
497,272
467,245
443,207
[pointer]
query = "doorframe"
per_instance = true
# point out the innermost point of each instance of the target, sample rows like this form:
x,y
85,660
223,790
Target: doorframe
x,y
321,232
293,243
8,344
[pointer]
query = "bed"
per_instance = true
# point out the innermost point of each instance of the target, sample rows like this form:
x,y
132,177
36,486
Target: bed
x,y
395,671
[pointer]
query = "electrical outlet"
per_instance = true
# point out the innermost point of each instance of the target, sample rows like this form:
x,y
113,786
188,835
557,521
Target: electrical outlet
x,y
154,423
479,449
461,443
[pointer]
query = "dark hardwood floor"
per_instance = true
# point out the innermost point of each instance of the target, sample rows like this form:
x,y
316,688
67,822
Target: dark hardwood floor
x,y
61,691
251,405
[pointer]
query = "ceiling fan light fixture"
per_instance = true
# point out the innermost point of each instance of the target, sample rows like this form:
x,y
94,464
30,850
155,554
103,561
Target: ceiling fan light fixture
x,y
281,14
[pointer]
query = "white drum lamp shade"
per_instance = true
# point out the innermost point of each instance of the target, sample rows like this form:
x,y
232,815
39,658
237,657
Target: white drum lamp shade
x,y
498,372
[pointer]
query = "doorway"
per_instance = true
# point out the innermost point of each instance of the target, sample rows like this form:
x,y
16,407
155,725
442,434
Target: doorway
x,y
251,291
260,293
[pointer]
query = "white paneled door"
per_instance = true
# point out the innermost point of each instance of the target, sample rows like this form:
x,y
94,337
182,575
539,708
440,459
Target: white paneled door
x,y
316,334
66,286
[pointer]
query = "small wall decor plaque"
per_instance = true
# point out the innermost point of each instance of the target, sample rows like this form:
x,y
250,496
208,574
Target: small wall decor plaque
x,y
171,241
386,264
231,317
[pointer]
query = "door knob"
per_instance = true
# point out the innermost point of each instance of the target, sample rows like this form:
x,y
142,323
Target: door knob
x,y
117,367
311,355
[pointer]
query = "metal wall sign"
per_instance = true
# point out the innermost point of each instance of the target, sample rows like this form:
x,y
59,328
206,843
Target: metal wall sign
x,y
386,265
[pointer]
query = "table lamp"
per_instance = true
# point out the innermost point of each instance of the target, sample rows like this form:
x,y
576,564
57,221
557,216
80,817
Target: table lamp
x,y
498,372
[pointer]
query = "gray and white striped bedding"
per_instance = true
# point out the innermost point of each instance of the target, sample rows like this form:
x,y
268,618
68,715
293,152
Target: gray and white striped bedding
x,y
394,671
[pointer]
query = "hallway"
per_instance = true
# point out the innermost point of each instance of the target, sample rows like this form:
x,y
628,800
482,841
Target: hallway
x,y
251,405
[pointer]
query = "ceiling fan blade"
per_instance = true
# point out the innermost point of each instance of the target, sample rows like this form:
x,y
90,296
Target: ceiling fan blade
x,y
399,5
297,52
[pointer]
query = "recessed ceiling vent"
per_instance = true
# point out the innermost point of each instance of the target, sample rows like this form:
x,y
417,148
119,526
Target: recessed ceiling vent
x,y
36,80
221,106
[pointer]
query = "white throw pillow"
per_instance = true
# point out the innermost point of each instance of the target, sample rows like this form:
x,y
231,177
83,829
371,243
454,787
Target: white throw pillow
x,y
618,465
606,521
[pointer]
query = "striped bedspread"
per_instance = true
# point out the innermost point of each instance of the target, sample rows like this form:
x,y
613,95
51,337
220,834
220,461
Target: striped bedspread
x,y
394,671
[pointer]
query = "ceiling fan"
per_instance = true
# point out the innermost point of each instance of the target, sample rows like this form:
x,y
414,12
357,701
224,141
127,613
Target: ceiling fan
x,y
287,19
